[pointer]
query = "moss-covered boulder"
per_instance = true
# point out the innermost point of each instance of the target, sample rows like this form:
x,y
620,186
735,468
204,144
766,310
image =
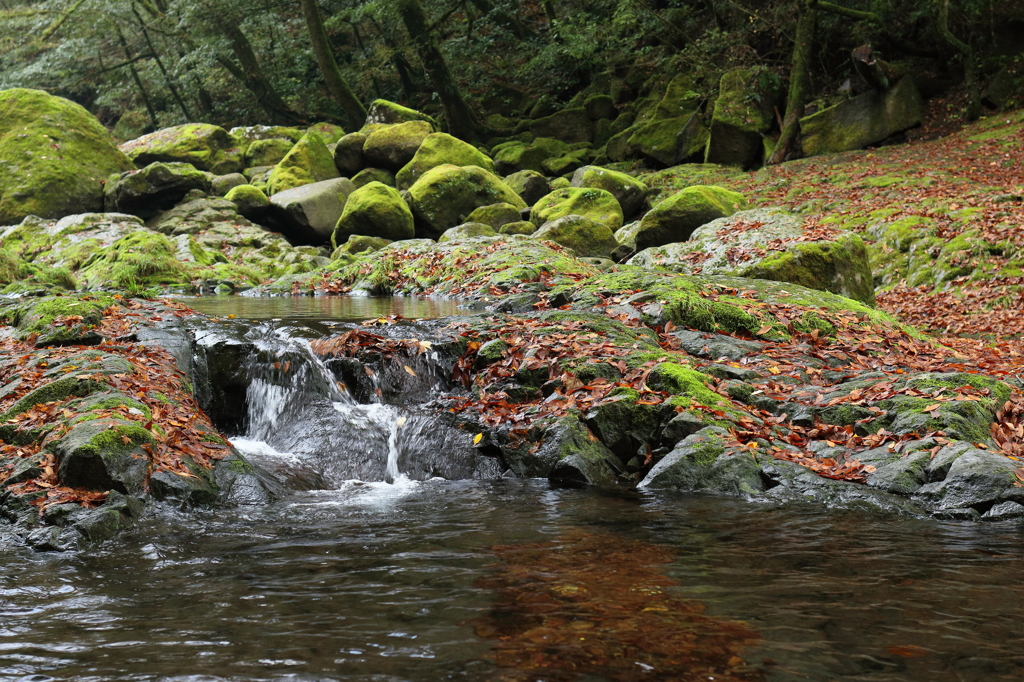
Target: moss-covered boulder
x,y
157,187
245,136
394,146
445,195
250,201
308,161
516,156
627,190
743,113
466,231
599,107
569,126
701,462
382,111
862,120
595,204
54,157
267,152
368,175
329,132
438,149
769,244
518,227
495,215
220,185
374,210
569,163
529,184
207,147
308,214
675,218
348,154
666,142
587,238
141,259
359,243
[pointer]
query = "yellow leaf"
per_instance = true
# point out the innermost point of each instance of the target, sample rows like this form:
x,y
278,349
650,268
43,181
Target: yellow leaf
x,y
409,370
774,370
477,438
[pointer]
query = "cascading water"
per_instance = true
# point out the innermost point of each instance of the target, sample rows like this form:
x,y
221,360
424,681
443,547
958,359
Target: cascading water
x,y
303,422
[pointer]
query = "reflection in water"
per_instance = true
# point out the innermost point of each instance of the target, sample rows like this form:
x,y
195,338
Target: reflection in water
x,y
597,604
340,308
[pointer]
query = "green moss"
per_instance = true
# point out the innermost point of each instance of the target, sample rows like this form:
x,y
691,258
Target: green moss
x,y
111,441
684,381
595,204
374,210
444,195
308,161
55,156
438,149
207,147
143,258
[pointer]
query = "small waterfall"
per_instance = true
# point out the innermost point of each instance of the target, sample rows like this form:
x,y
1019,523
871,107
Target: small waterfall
x,y
340,419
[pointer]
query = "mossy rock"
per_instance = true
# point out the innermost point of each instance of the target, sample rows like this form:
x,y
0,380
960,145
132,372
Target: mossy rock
x,y
445,195
374,210
358,244
104,455
595,204
54,157
438,149
466,231
862,120
348,154
518,227
368,175
207,147
141,259
267,152
308,161
518,156
743,112
701,462
222,184
569,126
587,238
666,142
675,218
329,132
735,245
627,190
394,146
45,318
495,215
600,107
251,201
246,135
157,187
382,111
529,184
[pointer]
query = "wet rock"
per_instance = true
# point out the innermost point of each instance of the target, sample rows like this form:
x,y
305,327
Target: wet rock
x,y
570,455
700,462
976,478
241,483
104,454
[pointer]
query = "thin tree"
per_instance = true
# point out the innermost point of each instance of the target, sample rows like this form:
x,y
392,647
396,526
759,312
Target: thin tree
x,y
337,87
799,82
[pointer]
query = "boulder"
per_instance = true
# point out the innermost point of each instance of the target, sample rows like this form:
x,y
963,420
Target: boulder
x,y
739,245
328,132
155,188
862,120
348,154
374,210
675,218
587,238
309,214
529,184
394,146
599,107
518,227
627,190
222,184
743,113
569,126
569,163
267,152
516,156
207,147
250,201
309,161
466,231
596,204
245,136
701,462
667,142
495,215
54,157
360,243
438,149
382,111
104,454
368,175
445,195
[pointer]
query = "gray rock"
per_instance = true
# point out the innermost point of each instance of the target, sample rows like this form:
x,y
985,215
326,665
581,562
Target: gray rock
x,y
577,457
700,462
104,454
222,184
309,214
348,154
155,188
977,478
531,185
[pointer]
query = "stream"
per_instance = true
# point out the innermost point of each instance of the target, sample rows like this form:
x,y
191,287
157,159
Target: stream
x,y
401,554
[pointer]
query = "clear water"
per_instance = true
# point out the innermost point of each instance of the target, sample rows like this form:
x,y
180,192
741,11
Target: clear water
x,y
383,582
501,579
339,308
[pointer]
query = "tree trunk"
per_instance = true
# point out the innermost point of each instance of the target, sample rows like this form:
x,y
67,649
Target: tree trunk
x,y
510,22
337,87
459,117
252,76
966,53
138,81
799,83
160,65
